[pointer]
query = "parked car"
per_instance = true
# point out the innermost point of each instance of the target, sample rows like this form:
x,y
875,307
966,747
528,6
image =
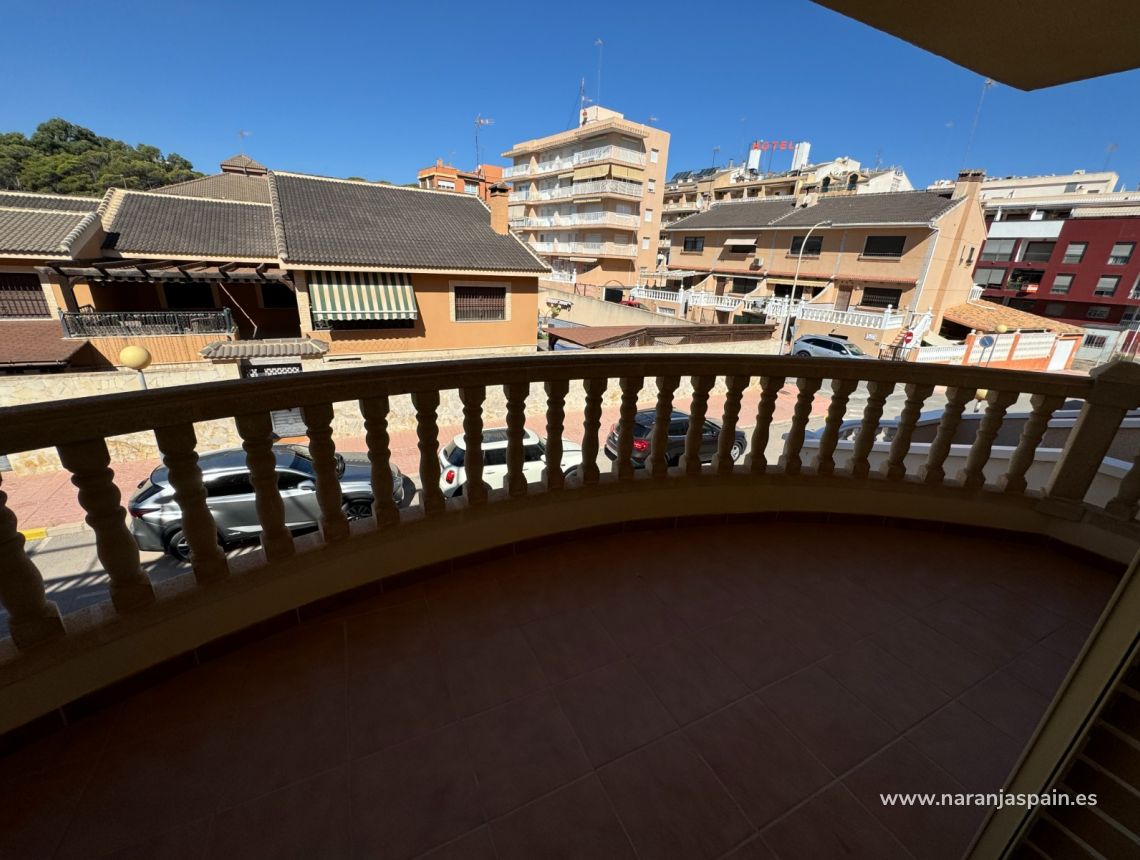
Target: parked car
x,y
826,346
453,475
678,428
156,519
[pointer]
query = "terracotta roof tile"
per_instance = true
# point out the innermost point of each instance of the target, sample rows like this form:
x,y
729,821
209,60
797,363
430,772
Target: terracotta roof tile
x,y
222,186
35,343
33,231
159,224
987,316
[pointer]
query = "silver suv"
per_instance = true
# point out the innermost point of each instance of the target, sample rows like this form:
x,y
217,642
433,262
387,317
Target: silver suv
x,y
453,476
156,518
826,346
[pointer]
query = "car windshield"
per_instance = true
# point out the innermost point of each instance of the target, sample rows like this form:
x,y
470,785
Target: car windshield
x,y
453,454
853,349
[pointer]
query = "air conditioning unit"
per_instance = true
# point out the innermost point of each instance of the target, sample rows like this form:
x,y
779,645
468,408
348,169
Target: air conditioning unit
x,y
757,263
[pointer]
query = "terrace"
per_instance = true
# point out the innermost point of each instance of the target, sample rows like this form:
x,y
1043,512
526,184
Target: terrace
x,y
700,660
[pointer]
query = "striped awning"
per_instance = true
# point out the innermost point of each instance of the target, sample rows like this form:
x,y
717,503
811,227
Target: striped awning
x,y
361,296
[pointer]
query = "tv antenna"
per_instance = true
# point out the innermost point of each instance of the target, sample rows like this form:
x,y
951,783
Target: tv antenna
x,y
986,84
480,122
599,44
716,152
242,135
1108,151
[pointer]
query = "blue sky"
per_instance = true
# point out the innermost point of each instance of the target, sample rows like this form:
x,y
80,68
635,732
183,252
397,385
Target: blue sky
x,y
381,89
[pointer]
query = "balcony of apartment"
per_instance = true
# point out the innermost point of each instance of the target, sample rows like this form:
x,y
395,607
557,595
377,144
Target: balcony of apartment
x,y
687,659
568,162
587,249
581,219
598,187
125,324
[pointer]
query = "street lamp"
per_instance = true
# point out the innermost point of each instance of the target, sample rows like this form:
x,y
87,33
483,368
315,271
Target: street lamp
x,y
137,358
796,281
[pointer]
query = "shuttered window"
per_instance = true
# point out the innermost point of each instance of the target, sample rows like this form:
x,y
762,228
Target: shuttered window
x,y
480,304
21,297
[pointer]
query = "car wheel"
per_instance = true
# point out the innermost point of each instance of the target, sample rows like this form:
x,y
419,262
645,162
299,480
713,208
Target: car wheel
x,y
357,509
177,547
673,462
568,473
736,452
803,353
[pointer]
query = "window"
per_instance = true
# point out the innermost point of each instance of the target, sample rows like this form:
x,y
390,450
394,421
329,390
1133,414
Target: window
x,y
1097,312
480,304
229,485
290,480
445,184
1106,285
989,277
694,244
1054,309
1038,252
278,296
811,249
884,246
999,250
645,243
1130,315
532,453
648,215
970,258
879,297
495,457
22,296
743,285
1061,284
189,297
1135,294
1121,253
679,428
470,187
652,185
1075,252
653,156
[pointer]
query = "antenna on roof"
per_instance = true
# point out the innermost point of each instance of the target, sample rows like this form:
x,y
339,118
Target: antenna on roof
x,y
242,135
986,84
480,121
599,44
1108,151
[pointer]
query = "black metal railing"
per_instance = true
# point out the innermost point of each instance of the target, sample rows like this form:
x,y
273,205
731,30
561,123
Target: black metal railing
x,y
133,323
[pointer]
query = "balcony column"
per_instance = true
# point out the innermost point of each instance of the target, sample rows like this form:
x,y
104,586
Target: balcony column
x,y
877,394
516,393
1013,481
659,443
794,443
426,404
1116,390
723,462
256,431
757,461
1125,504
973,475
556,390
894,468
630,388
591,424
475,489
90,465
691,459
178,445
375,412
841,390
318,424
32,618
956,399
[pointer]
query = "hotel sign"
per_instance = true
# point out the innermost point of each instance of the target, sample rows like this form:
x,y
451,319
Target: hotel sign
x,y
765,145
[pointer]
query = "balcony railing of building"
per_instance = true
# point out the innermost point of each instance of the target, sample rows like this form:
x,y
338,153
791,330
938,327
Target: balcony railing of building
x,y
577,219
577,189
134,323
567,162
52,660
597,249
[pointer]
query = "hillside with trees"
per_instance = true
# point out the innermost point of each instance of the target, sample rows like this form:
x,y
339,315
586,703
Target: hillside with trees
x,y
63,158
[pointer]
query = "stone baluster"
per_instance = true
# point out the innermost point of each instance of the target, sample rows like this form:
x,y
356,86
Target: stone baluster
x,y
591,424
722,461
375,413
516,393
318,424
179,446
1126,502
32,618
659,442
973,475
877,394
256,431
1116,389
894,468
794,443
630,388
1044,405
556,390
474,488
956,399
691,459
90,465
757,460
426,404
841,390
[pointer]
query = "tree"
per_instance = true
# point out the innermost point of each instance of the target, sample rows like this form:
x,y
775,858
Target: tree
x,y
61,157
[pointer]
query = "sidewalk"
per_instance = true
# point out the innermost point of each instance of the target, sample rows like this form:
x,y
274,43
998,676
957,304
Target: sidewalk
x,y
48,500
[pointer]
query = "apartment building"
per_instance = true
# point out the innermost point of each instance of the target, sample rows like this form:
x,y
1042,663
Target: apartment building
x,y
1049,185
588,201
445,177
873,266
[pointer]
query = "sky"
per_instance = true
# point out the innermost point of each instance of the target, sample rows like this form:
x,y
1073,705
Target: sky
x,y
381,89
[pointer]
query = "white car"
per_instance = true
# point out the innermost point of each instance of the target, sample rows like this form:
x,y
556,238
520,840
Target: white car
x,y
453,476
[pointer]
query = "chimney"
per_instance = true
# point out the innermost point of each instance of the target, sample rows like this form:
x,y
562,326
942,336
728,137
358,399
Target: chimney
x,y
969,183
498,204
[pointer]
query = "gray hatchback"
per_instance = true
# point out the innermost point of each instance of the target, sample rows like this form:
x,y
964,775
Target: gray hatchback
x,y
826,346
156,519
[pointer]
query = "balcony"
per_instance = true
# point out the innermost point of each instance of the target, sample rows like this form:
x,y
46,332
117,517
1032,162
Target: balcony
x,y
596,249
616,187
516,170
581,219
483,674
134,323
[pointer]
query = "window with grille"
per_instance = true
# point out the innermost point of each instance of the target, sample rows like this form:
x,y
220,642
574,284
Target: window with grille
x,y
21,296
480,304
1106,285
884,246
694,244
875,297
810,248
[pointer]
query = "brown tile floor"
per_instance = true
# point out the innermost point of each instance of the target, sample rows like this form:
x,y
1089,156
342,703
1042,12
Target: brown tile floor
x,y
717,691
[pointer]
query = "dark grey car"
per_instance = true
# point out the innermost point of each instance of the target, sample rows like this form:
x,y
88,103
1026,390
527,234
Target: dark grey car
x,y
678,428
156,519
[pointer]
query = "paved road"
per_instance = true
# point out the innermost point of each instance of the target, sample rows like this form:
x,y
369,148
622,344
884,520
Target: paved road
x,y
75,578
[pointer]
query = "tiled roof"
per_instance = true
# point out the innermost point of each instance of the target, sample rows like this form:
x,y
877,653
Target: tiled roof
x,y
147,223
222,186
334,222
31,231
52,202
737,216
242,162
232,350
987,316
35,342
890,208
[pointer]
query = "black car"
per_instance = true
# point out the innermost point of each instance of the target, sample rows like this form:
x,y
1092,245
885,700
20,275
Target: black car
x,y
678,428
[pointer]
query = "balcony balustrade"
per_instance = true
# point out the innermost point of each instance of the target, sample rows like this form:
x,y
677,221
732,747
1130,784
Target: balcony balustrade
x,y
133,323
52,659
597,249
578,219
568,162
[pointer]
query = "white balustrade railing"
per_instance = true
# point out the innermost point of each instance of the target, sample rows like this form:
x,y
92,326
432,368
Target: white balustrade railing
x,y
516,170
940,354
778,308
567,162
598,249
580,219
674,296
1033,344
